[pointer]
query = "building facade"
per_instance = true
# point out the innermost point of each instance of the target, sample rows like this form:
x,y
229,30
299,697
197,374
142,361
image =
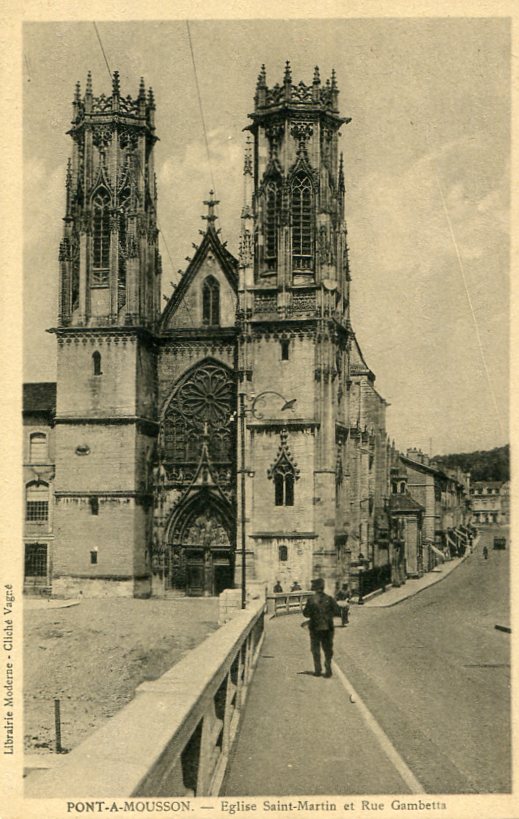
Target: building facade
x,y
39,405
490,502
241,422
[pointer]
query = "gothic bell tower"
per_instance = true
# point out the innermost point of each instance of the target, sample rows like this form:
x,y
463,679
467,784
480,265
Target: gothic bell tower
x,y
295,337
108,310
109,259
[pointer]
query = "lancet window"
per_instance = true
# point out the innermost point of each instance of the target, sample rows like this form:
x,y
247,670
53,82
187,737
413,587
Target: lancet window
x,y
211,302
124,199
272,207
101,238
302,222
284,474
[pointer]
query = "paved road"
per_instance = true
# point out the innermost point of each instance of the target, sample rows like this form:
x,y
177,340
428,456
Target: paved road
x,y
435,673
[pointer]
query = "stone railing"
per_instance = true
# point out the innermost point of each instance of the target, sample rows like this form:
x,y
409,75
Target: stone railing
x,y
174,737
287,602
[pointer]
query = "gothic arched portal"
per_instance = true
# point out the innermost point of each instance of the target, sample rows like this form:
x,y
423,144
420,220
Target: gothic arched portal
x,y
200,551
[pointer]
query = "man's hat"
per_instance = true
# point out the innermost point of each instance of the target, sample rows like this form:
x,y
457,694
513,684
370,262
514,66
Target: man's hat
x,y
318,584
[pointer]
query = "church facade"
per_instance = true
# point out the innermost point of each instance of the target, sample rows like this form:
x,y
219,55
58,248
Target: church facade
x,y
241,421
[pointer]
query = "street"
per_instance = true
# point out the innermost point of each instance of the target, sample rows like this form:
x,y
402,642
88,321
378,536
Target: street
x,y
435,674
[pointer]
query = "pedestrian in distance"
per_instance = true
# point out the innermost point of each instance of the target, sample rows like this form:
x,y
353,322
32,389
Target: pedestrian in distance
x,y
295,586
278,588
485,552
342,597
320,608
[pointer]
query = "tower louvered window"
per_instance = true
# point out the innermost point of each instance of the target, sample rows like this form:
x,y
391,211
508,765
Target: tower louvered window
x,y
211,302
302,223
272,205
101,239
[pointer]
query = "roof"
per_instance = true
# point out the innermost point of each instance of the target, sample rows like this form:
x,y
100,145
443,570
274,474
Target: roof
x,y
404,503
433,470
39,397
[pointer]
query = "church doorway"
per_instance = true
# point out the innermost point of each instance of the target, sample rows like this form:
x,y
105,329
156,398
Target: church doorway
x,y
201,556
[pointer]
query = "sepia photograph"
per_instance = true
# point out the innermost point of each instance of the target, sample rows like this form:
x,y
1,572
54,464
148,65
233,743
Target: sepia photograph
x,y
264,435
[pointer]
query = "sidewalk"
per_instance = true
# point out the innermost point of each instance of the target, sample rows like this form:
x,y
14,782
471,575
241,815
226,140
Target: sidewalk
x,y
412,586
302,734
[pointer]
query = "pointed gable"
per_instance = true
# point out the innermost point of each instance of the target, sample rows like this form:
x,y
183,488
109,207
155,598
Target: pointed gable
x,y
207,293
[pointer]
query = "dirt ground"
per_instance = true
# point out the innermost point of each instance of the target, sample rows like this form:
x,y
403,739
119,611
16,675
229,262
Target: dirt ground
x,y
92,657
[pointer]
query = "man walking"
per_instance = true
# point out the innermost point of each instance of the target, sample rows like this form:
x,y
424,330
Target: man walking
x,y
342,598
321,609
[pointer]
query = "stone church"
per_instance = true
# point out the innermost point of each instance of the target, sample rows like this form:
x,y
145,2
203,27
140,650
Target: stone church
x,y
240,420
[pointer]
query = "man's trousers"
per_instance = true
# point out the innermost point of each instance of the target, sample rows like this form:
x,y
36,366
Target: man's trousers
x,y
322,639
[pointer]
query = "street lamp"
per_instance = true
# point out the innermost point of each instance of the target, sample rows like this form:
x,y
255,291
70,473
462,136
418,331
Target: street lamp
x,y
242,411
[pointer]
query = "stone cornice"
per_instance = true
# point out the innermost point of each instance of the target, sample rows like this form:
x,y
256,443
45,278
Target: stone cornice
x,y
292,424
285,535
205,334
108,330
144,423
90,576
103,493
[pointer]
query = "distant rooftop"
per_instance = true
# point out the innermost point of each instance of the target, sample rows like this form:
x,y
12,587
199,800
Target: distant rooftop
x,y
404,503
39,397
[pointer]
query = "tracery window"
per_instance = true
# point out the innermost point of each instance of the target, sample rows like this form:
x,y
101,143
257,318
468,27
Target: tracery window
x,y
202,406
101,239
283,475
211,302
302,222
272,206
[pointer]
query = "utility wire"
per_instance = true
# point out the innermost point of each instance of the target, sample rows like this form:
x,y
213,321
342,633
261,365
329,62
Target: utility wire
x,y
467,291
137,156
102,49
200,107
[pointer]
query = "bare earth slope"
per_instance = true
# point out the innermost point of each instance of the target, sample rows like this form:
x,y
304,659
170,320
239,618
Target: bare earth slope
x,y
92,657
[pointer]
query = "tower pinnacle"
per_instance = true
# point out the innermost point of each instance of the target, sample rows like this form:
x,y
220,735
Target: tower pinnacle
x,y
211,216
115,84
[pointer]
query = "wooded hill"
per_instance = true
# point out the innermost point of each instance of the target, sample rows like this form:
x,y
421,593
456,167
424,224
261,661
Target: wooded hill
x,y
486,465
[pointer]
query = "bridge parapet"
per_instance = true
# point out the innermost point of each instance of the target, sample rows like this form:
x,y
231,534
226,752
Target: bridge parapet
x,y
174,737
287,602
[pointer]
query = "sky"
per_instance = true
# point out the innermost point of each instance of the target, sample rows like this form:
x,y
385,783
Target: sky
x,y
426,159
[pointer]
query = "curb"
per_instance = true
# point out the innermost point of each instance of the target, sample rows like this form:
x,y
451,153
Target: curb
x,y
433,582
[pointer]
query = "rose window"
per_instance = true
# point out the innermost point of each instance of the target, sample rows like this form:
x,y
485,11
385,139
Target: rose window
x,y
202,405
